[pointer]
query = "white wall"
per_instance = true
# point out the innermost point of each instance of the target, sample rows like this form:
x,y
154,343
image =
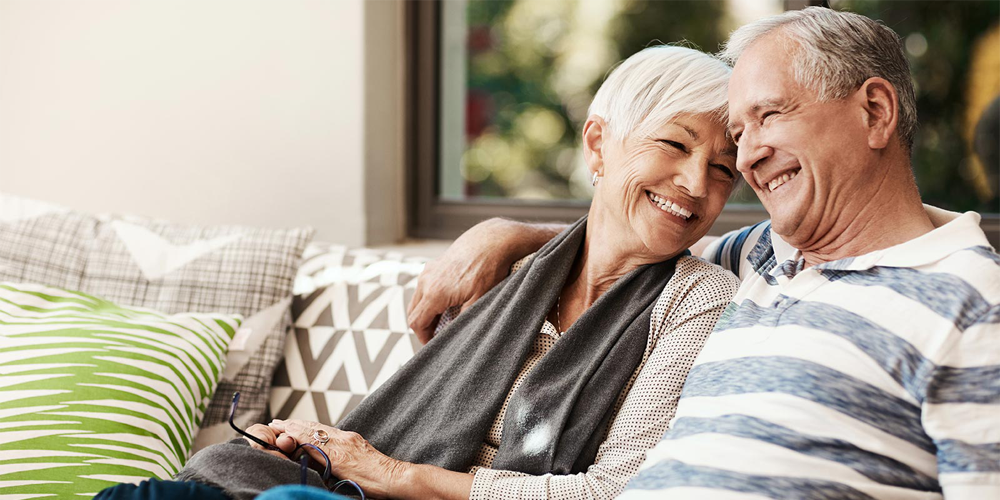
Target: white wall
x,y
199,111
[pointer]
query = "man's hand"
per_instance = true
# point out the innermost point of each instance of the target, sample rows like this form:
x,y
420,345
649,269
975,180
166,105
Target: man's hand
x,y
472,265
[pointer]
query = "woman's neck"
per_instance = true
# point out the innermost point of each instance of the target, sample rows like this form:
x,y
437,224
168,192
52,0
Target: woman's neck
x,y
597,267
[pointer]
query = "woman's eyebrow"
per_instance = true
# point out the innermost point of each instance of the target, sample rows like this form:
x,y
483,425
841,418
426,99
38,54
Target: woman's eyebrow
x,y
691,132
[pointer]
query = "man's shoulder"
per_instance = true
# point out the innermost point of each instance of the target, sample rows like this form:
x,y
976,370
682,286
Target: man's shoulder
x,y
745,250
977,266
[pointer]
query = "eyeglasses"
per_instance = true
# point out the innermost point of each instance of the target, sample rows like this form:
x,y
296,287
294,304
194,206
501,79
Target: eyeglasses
x,y
303,459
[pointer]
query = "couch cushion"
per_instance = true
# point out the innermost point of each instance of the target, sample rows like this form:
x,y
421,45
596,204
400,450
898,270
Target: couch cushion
x,y
94,394
350,331
172,268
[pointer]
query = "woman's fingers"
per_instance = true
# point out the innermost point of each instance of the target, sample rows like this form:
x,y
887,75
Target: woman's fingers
x,y
286,443
351,456
266,434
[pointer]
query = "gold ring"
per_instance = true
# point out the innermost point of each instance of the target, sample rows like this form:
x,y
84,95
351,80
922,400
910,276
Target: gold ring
x,y
321,436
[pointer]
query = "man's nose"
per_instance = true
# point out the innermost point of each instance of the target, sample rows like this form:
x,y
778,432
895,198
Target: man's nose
x,y
751,152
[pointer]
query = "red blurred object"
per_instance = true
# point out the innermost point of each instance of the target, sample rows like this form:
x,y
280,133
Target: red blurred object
x,y
480,38
478,112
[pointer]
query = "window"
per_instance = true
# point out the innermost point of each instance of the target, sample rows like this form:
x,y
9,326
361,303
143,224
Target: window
x,y
502,88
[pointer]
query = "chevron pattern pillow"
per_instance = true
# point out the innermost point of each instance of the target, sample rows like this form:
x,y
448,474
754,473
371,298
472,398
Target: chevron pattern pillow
x,y
171,268
94,394
350,331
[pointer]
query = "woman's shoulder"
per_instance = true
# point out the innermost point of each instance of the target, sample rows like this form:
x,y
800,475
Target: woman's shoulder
x,y
690,266
521,263
694,274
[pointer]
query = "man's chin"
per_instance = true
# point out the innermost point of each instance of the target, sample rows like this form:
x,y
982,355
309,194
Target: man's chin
x,y
784,223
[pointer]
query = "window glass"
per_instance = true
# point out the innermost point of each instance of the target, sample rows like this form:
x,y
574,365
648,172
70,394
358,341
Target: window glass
x,y
517,77
954,53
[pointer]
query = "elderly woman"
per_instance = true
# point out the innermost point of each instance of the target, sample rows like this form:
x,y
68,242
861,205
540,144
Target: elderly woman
x,y
556,382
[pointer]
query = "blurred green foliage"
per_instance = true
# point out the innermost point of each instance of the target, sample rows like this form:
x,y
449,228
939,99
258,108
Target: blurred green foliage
x,y
533,68
534,65
947,31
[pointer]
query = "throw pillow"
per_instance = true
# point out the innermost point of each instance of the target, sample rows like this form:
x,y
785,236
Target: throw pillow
x,y
172,268
94,394
350,331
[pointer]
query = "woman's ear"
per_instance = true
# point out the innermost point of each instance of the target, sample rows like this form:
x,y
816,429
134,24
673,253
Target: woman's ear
x,y
595,131
881,111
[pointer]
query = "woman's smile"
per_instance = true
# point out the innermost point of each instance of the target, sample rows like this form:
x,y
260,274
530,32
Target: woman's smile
x,y
671,209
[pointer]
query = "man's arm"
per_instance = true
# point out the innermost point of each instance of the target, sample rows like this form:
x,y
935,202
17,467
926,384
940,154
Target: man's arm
x,y
961,411
472,265
698,249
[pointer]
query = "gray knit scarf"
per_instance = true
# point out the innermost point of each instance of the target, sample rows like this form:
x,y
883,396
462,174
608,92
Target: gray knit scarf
x,y
440,405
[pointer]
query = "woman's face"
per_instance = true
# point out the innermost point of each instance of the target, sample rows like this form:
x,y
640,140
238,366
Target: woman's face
x,y
664,191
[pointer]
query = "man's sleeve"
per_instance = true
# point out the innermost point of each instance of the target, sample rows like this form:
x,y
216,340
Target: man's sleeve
x,y
731,250
961,411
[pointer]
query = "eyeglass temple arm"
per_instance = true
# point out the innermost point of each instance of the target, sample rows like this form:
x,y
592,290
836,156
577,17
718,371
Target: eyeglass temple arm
x,y
232,413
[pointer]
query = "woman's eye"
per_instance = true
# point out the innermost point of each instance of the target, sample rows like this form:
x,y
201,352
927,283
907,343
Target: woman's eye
x,y
674,144
768,115
725,170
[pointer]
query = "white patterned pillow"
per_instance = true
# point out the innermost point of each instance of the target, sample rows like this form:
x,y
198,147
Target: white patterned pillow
x,y
94,394
171,268
350,332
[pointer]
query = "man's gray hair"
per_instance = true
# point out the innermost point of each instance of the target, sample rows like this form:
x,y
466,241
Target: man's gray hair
x,y
836,53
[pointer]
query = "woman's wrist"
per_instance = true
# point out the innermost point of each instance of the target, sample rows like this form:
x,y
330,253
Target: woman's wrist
x,y
421,481
408,482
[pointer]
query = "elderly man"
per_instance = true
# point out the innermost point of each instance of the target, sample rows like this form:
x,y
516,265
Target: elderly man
x,y
861,356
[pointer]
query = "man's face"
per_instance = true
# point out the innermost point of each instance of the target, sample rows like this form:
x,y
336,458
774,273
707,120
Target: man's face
x,y
803,158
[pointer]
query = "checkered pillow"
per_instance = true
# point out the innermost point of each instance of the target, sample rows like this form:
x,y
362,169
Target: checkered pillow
x,y
350,332
171,268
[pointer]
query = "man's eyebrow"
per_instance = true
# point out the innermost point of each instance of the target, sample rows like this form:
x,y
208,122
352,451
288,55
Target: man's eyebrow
x,y
755,109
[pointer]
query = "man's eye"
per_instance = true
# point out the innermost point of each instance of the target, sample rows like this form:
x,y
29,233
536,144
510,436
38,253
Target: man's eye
x,y
768,114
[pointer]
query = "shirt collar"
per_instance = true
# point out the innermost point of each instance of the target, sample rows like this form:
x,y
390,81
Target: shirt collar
x,y
952,232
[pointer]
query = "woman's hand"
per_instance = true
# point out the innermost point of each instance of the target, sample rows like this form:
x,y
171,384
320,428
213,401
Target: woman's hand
x,y
351,457
472,265
268,435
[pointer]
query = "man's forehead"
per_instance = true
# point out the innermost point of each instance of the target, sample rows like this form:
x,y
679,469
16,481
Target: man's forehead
x,y
763,72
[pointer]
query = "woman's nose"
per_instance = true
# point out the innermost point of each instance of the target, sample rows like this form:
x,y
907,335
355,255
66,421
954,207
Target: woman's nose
x,y
693,178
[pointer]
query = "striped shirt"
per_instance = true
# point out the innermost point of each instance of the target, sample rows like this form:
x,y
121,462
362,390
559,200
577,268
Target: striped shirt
x,y
876,376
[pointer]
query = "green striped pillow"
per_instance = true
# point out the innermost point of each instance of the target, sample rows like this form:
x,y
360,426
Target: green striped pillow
x,y
93,394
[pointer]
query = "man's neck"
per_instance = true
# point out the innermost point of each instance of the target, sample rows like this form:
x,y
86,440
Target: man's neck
x,y
890,214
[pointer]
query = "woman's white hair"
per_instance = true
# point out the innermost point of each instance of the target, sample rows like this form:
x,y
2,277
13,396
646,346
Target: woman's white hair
x,y
836,52
656,84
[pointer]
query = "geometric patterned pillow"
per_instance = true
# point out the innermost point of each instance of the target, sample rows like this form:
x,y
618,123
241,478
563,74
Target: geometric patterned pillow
x,y
171,268
350,331
94,394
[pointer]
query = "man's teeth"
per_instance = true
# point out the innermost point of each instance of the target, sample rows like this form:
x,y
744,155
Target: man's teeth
x,y
781,179
670,207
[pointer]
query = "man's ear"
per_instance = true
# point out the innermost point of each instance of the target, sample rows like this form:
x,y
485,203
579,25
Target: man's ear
x,y
595,131
881,111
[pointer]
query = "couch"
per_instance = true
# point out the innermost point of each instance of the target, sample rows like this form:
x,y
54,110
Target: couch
x,y
307,329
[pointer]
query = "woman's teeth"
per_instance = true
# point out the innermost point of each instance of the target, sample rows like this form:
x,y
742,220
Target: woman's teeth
x,y
781,179
669,207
